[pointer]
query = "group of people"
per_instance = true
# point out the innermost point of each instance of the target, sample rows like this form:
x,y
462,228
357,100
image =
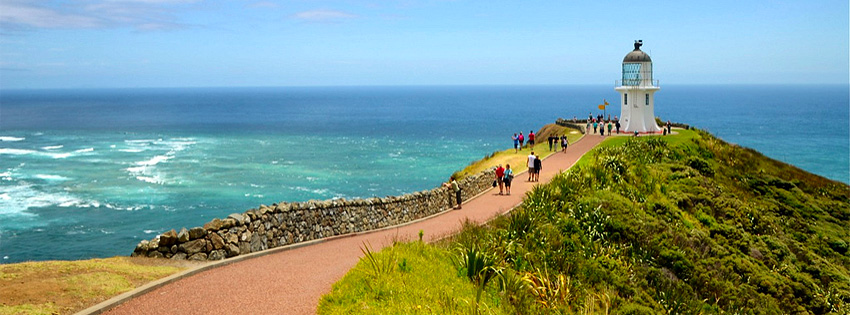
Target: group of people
x,y
504,175
600,125
519,140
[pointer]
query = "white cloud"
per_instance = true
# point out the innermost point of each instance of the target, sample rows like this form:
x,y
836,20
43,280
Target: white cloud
x,y
138,14
323,16
14,15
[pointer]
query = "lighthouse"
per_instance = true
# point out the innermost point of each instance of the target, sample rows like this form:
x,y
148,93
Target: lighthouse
x,y
637,89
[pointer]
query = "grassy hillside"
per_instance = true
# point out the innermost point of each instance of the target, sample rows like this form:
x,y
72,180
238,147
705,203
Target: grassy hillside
x,y
683,224
65,287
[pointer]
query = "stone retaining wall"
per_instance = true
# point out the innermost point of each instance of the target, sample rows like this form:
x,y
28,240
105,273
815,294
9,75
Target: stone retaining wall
x,y
289,223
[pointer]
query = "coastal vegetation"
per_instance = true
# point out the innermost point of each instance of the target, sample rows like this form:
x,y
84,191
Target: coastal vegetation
x,y
683,224
65,287
517,160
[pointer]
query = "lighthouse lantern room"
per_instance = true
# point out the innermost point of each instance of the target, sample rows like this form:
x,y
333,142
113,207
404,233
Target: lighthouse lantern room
x,y
636,90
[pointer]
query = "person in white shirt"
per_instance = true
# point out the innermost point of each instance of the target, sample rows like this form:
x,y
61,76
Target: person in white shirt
x,y
531,159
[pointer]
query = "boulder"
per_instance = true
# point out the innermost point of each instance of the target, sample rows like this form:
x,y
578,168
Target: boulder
x,y
244,248
183,236
198,256
256,243
235,216
216,241
168,238
192,247
217,255
155,254
196,233
232,238
213,225
179,256
232,250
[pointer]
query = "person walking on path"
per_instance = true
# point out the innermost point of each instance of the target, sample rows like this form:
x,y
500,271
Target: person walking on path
x,y
500,178
551,142
564,143
610,125
516,143
530,164
456,188
538,165
618,126
669,127
587,129
507,178
594,126
521,140
531,139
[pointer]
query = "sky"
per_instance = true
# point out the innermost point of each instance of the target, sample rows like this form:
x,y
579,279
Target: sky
x,y
236,43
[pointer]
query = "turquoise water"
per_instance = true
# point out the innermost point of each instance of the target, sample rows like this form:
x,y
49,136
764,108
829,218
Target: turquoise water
x,y
90,173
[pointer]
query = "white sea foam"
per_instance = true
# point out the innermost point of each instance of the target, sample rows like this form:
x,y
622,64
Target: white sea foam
x,y
132,150
149,231
11,139
22,197
16,151
51,177
84,150
152,180
146,170
52,147
9,151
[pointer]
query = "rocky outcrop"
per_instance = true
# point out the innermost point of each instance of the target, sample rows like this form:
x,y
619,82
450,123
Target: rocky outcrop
x,y
289,223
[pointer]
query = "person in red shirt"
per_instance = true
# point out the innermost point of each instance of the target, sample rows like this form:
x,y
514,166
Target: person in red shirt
x,y
531,139
500,173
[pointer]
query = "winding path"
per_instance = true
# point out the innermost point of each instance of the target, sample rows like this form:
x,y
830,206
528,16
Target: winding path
x,y
291,280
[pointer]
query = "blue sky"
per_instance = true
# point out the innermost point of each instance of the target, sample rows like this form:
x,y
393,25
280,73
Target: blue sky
x,y
208,43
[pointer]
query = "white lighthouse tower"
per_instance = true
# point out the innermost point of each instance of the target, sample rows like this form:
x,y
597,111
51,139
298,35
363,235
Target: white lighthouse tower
x,y
636,90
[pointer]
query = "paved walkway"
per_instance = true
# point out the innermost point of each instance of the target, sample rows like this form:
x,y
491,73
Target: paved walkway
x,y
292,281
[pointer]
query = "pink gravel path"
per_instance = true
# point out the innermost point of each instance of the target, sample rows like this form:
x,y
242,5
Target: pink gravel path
x,y
292,281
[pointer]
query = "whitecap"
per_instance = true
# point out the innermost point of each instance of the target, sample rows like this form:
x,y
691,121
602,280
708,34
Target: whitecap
x,y
152,180
149,231
52,147
51,177
16,151
145,141
17,199
84,150
132,150
11,139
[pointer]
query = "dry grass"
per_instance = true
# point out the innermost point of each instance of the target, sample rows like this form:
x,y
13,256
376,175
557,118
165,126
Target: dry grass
x,y
65,287
517,160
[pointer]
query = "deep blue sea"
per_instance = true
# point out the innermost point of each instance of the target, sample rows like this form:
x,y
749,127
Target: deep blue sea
x,y
90,173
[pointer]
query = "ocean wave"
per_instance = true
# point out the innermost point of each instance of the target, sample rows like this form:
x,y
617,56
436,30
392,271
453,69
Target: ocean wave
x,y
52,147
9,151
132,150
152,180
51,177
145,170
84,150
11,139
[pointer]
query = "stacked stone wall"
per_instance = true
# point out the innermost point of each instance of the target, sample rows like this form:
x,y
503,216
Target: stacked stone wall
x,y
290,223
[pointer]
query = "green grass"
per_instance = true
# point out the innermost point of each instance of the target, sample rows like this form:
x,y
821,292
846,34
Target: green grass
x,y
425,280
682,224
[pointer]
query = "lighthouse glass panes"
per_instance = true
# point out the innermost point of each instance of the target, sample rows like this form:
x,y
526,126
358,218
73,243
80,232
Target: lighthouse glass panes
x,y
631,74
647,99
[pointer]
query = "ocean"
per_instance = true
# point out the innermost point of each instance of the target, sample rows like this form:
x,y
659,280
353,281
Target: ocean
x,y
90,173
